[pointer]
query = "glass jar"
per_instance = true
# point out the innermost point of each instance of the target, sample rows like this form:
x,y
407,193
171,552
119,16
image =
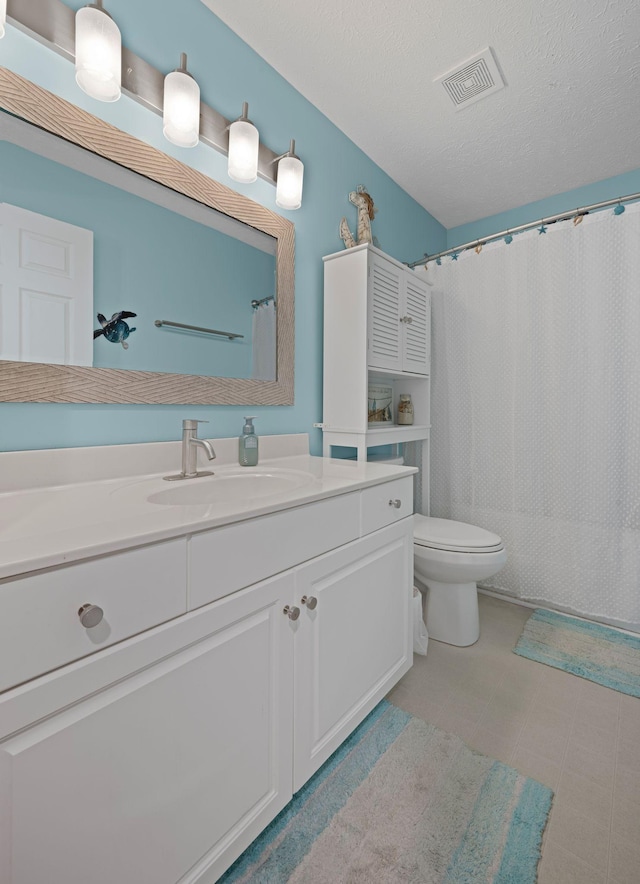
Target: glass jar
x,y
405,409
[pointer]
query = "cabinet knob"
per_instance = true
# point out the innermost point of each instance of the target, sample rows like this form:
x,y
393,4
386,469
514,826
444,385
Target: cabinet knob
x,y
396,504
310,601
291,611
90,615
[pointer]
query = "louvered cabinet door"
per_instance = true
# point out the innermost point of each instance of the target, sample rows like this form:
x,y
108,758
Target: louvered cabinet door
x,y
416,326
385,330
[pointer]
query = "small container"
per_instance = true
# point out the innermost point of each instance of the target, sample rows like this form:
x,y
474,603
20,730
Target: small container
x,y
248,445
405,409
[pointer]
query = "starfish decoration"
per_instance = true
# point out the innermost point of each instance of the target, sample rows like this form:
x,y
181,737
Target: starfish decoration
x,y
454,257
619,209
542,229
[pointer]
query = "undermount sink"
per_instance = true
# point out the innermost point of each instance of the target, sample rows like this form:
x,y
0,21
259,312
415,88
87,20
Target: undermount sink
x,y
227,487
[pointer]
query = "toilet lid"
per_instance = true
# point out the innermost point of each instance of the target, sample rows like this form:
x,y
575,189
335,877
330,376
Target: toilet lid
x,y
456,536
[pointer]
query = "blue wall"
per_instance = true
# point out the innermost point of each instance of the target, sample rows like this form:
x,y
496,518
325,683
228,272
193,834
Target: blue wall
x,y
229,72
610,188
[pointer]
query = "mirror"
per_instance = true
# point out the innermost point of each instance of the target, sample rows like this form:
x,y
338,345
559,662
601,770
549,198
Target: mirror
x,y
157,239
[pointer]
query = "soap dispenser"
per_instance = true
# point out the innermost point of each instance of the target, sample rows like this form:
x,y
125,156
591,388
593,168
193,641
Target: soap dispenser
x,y
248,444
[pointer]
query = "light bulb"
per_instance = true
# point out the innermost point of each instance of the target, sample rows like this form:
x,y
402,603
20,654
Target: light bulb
x,y
98,53
181,107
3,16
290,179
244,144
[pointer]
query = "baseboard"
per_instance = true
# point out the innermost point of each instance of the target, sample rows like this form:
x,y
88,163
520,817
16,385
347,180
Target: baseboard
x,y
615,624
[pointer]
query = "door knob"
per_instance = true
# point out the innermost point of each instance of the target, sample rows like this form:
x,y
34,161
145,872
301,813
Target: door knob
x,y
310,601
396,504
90,615
291,611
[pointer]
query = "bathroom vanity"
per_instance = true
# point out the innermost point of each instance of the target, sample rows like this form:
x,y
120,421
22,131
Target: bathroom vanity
x,y
250,620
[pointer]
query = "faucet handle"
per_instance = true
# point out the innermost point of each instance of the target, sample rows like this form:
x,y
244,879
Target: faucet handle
x,y
192,424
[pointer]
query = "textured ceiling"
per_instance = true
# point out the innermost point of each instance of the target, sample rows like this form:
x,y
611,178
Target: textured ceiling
x,y
570,114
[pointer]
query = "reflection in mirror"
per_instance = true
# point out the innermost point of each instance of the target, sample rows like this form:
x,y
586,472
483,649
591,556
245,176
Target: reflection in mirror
x,y
103,267
30,381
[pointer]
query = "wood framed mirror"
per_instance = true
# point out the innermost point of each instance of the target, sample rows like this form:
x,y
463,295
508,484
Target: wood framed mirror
x,y
30,381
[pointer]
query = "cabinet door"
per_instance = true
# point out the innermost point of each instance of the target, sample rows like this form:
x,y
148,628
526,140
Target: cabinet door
x,y
354,645
416,326
384,333
166,775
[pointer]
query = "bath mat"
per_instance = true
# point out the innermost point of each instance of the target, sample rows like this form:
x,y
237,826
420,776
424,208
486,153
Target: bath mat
x,y
598,653
402,802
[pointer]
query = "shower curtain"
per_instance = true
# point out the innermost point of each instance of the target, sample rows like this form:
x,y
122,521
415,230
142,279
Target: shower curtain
x,y
264,342
536,409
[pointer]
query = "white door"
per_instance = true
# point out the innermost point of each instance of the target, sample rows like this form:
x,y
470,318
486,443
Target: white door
x,y
170,772
354,645
385,330
416,326
46,289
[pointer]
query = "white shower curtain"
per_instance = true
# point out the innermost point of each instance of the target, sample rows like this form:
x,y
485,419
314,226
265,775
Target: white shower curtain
x,y
536,409
264,342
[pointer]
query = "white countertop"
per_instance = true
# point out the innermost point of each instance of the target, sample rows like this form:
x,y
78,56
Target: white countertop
x,y
47,526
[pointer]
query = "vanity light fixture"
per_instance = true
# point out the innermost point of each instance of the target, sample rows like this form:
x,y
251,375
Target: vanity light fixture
x,y
104,68
98,53
181,107
290,179
244,143
3,16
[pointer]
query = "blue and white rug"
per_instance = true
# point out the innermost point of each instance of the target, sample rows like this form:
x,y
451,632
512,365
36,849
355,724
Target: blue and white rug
x,y
402,802
599,653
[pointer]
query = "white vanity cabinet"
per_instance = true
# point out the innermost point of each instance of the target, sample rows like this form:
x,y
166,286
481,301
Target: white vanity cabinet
x,y
152,776
377,330
353,643
160,758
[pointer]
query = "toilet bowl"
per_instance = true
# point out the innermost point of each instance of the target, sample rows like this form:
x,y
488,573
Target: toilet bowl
x,y
449,558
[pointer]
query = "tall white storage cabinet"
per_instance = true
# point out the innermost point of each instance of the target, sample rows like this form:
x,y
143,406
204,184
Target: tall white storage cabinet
x,y
377,327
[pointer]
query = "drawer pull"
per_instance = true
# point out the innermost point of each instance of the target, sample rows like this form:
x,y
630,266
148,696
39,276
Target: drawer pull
x,y
310,601
292,612
396,504
90,615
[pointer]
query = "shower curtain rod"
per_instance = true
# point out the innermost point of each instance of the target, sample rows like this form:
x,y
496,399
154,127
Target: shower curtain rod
x,y
548,220
266,300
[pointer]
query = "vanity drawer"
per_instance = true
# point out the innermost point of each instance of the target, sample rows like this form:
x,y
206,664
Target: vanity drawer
x,y
226,559
39,624
381,505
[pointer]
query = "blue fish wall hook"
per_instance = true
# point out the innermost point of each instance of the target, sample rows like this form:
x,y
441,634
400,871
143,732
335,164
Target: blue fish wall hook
x,y
619,209
115,329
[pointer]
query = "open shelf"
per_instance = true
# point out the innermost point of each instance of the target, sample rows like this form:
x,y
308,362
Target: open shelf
x,y
397,433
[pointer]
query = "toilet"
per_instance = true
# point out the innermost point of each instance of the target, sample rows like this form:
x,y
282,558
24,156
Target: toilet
x,y
449,558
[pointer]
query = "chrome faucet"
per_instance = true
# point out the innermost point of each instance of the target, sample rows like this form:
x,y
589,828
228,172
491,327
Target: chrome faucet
x,y
190,443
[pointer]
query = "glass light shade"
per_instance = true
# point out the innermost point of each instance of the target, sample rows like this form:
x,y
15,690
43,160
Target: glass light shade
x,y
289,187
244,143
98,54
181,109
3,16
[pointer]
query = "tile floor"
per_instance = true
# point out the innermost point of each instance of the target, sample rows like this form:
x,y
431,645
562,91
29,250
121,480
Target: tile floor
x,y
579,738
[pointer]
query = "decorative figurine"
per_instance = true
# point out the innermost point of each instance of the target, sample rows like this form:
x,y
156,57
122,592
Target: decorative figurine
x,y
115,329
366,213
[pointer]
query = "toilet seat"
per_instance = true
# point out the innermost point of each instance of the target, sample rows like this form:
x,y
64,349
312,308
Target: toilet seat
x,y
451,536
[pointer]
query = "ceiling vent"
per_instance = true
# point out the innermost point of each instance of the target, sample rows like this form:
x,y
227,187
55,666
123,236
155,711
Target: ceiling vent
x,y
472,80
